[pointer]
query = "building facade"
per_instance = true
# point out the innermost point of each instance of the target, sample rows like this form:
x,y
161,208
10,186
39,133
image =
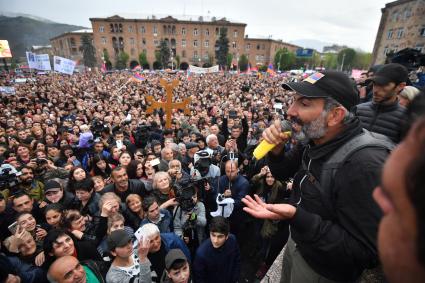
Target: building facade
x,y
68,45
402,26
191,42
261,51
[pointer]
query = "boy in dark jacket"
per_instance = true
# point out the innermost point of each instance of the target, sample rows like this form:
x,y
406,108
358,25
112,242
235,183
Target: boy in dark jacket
x,y
218,258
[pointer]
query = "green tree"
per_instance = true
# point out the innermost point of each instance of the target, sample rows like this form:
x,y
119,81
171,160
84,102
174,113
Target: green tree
x,y
284,59
143,60
122,60
177,58
13,63
88,50
362,61
346,58
243,63
222,48
106,59
330,61
164,53
263,68
229,59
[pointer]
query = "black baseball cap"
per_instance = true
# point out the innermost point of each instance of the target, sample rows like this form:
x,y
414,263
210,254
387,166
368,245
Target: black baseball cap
x,y
52,185
336,85
117,239
172,256
390,73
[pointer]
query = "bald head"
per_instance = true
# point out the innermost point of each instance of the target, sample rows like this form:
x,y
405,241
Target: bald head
x,y
66,269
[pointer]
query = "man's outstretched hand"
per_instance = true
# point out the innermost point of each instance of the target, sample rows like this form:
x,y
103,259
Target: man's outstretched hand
x,y
259,209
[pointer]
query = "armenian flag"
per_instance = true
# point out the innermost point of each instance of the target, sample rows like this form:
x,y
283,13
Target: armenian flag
x,y
270,70
137,68
137,77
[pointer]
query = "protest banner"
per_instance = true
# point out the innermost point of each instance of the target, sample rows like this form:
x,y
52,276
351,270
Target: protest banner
x,y
8,90
199,70
63,65
38,61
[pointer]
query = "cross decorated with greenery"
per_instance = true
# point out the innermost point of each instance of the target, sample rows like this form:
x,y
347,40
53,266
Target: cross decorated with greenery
x,y
168,106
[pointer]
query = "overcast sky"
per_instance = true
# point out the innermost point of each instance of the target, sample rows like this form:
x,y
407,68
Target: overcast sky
x,y
354,23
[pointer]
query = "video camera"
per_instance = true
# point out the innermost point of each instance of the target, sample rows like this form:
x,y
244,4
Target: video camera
x,y
185,191
8,176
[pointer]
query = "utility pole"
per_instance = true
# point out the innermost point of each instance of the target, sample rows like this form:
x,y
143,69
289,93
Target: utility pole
x,y
342,63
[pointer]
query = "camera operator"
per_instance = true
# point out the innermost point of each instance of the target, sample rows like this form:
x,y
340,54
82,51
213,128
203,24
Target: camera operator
x,y
189,220
45,170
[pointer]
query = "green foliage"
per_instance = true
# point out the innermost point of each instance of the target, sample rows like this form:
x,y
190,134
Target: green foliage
x,y
346,56
229,59
122,60
243,63
164,54
143,61
88,50
262,68
222,49
284,60
13,63
107,60
330,61
156,65
362,60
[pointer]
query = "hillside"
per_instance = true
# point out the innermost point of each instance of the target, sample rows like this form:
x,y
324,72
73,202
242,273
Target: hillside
x,y
23,32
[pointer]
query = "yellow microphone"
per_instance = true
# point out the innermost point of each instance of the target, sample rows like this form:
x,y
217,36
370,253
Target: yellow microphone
x,y
265,147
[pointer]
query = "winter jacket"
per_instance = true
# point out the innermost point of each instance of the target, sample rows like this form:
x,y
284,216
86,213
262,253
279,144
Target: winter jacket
x,y
165,224
341,243
382,119
181,217
213,265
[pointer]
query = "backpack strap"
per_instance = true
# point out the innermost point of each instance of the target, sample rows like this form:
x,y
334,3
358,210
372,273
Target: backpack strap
x,y
341,155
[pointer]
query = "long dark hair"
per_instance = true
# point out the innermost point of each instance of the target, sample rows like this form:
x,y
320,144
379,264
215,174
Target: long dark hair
x,y
132,169
96,171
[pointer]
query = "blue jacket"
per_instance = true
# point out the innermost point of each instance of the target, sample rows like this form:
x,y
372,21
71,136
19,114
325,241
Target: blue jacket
x,y
172,241
217,265
239,189
165,225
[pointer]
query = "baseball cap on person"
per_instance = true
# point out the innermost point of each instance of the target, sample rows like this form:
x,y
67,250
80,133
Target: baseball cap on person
x,y
390,73
117,239
172,256
52,185
325,84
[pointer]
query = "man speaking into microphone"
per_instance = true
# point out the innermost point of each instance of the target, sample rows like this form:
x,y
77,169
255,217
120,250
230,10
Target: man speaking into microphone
x,y
335,165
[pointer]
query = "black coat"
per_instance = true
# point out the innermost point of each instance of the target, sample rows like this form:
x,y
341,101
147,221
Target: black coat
x,y
382,119
337,244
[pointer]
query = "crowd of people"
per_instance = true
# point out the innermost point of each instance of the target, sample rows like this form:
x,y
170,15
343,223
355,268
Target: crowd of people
x,y
94,189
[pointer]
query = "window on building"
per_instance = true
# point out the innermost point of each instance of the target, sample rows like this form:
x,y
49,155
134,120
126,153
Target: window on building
x,y
72,42
143,41
390,34
217,31
395,16
155,30
206,56
156,42
422,31
195,32
132,51
395,49
386,50
103,40
207,43
101,29
400,32
258,46
235,33
407,13
207,32
183,42
195,43
184,53
132,41
248,46
234,44
142,29
120,27
130,28
183,31
195,54
111,26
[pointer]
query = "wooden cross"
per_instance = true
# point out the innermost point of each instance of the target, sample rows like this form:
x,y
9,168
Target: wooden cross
x,y
168,106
